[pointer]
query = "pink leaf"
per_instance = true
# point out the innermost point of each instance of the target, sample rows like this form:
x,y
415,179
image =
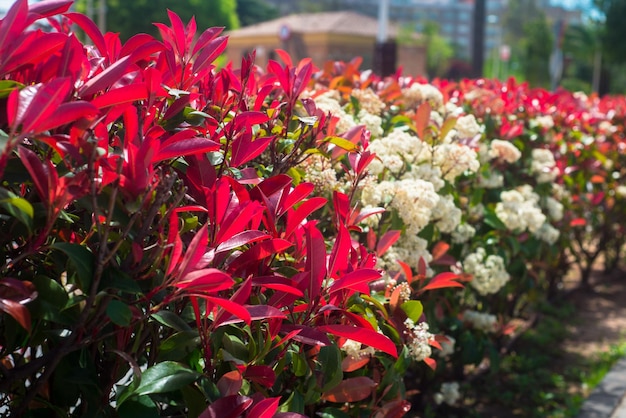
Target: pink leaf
x,y
306,335
230,306
68,113
189,146
90,28
443,280
208,54
106,78
352,389
354,278
205,280
39,172
295,217
34,50
13,23
228,407
340,254
265,408
259,252
245,149
121,95
315,260
196,249
240,239
297,195
386,241
362,335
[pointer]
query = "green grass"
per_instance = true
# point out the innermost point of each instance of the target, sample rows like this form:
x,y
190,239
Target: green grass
x,y
535,379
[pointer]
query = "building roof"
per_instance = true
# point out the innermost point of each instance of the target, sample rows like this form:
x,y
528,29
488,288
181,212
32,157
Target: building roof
x,y
343,22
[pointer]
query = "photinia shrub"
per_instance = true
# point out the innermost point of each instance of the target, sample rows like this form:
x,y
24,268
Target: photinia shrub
x,y
182,240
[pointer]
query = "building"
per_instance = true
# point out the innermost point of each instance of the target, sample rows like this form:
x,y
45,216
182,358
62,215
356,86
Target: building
x,y
337,36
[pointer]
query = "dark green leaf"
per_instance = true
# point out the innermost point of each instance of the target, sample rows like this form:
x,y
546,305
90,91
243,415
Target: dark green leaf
x,y
141,407
170,319
119,313
81,259
163,377
178,346
330,367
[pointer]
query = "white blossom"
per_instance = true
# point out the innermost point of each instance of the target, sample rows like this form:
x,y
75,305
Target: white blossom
x,y
504,150
419,339
467,127
489,273
449,394
543,165
463,233
481,321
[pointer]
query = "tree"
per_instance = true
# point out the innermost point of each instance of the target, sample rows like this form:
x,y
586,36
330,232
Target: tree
x,y
614,29
583,45
250,12
537,44
438,50
131,17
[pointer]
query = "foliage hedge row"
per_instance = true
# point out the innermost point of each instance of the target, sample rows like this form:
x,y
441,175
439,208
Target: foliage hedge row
x,y
179,240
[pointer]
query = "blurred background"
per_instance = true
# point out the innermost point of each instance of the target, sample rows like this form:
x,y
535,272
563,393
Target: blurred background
x,y
576,44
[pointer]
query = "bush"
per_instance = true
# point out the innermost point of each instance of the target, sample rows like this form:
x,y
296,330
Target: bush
x,y
187,241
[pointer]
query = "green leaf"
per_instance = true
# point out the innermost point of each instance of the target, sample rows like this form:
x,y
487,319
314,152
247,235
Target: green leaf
x,y
413,309
178,346
19,208
142,407
493,221
119,313
170,319
330,367
332,413
342,143
81,259
7,86
167,376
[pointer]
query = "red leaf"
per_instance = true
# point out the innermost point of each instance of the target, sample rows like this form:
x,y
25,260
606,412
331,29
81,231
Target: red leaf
x,y
36,104
245,149
231,307
210,51
90,28
441,248
189,146
443,280
386,241
240,239
237,220
340,253
422,118
206,37
228,407
578,222
354,278
295,217
362,335
68,113
106,78
13,23
257,313
406,269
18,311
432,363
353,389
393,409
259,252
39,173
306,335
315,260
34,50
264,375
281,284
265,408
47,8
126,94
205,280
230,383
350,364
196,249
298,194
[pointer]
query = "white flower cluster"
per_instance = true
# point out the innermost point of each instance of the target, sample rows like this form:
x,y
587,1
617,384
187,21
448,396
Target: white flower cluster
x,y
414,200
447,346
519,209
544,121
504,150
492,180
455,159
419,347
489,272
320,172
446,214
418,93
481,321
463,233
372,122
555,208
355,350
369,100
396,150
449,394
467,127
543,165
547,233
